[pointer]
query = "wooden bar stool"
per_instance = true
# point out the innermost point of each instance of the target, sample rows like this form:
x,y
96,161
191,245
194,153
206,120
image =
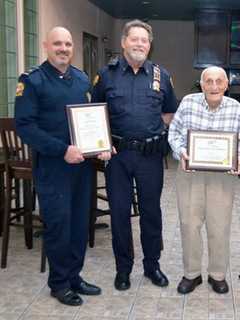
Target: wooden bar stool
x,y
18,167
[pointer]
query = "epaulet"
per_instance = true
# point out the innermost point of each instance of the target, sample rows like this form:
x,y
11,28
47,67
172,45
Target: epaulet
x,y
79,72
31,70
113,62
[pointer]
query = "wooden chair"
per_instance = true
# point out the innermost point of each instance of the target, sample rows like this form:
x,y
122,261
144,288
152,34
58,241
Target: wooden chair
x,y
99,193
18,167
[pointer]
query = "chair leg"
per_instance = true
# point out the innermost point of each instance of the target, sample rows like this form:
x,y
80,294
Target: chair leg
x,y
135,201
16,188
6,223
43,258
166,162
2,200
135,205
28,227
92,217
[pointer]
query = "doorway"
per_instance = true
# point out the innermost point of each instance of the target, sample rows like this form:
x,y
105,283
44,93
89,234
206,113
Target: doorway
x,y
90,55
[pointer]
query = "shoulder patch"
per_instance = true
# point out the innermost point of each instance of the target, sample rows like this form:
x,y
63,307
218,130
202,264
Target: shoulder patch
x,y
20,89
96,79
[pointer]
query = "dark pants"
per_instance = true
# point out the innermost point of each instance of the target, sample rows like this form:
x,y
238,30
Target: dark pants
x,y
64,193
148,174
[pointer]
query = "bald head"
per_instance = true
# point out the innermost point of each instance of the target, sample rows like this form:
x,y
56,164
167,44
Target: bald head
x,y
214,83
59,48
56,31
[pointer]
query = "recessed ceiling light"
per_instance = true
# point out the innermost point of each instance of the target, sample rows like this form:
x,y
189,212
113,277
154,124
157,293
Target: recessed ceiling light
x,y
146,2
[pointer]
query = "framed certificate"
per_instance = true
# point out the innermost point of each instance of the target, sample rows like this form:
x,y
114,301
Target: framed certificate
x,y
212,150
89,128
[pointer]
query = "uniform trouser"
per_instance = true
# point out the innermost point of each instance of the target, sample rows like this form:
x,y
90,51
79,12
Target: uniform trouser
x,y
64,193
205,197
147,171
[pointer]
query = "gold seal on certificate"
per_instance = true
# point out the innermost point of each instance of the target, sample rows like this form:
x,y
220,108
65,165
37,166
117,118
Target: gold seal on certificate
x,y
89,127
212,150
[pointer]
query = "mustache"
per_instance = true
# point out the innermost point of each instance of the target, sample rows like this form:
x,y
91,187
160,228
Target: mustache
x,y
62,52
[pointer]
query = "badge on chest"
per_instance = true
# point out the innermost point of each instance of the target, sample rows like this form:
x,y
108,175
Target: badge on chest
x,y
156,78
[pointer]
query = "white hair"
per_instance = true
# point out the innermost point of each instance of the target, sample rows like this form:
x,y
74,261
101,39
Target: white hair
x,y
213,69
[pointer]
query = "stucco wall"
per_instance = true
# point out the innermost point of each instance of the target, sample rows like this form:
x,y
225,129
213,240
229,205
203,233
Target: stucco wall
x,y
78,16
173,44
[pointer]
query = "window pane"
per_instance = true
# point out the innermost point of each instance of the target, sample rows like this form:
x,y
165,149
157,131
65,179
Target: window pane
x,y
8,56
10,13
10,39
30,33
11,65
12,90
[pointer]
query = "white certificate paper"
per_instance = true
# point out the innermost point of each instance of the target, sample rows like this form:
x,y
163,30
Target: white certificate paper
x,y
212,150
89,128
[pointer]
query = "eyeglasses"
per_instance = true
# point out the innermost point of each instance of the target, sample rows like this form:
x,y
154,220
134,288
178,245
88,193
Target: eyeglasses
x,y
217,83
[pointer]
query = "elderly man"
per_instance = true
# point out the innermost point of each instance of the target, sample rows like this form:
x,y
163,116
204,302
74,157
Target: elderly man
x,y
62,176
204,196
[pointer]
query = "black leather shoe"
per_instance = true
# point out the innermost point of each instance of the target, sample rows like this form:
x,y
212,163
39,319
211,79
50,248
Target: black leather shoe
x,y
122,281
87,289
68,297
218,286
188,285
157,277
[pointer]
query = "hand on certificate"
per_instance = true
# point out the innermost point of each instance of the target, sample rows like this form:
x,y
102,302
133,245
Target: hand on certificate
x,y
105,156
235,173
73,155
184,158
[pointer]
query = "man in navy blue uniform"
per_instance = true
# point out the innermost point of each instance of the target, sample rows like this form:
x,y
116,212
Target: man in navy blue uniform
x,y
141,102
62,175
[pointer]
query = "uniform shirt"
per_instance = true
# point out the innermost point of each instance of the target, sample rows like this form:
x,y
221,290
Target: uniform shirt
x,y
134,106
194,113
40,106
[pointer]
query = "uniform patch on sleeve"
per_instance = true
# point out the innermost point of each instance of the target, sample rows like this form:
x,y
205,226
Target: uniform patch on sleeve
x,y
20,89
96,79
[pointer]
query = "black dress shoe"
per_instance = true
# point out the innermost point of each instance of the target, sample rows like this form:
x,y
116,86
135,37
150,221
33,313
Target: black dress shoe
x,y
68,297
87,289
219,286
157,277
188,285
122,281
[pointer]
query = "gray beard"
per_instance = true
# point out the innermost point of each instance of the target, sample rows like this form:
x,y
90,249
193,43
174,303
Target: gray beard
x,y
136,57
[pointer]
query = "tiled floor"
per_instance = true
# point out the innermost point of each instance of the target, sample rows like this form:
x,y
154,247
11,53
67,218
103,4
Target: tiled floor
x,y
24,294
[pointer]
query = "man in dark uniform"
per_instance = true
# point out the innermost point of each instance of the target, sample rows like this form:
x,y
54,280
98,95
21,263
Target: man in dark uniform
x,y
62,175
139,96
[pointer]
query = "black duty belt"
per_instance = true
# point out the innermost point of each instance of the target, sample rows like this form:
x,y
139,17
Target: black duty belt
x,y
147,146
